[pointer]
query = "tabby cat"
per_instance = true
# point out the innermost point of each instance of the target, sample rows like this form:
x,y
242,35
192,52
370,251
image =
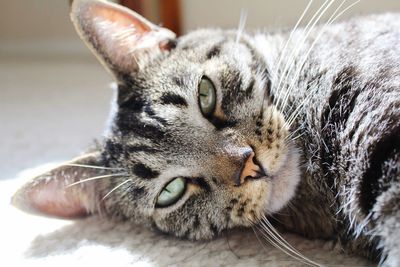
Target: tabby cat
x,y
218,129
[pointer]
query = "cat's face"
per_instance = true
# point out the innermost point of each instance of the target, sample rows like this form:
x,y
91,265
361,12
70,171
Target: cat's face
x,y
194,129
160,133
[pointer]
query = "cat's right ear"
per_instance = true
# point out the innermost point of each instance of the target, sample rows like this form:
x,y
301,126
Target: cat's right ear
x,y
123,40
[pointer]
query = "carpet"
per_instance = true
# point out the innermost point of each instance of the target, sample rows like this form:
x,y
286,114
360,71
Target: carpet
x,y
29,240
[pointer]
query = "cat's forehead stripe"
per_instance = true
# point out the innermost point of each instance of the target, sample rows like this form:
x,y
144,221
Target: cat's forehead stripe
x,y
214,51
130,122
141,148
260,67
144,171
169,98
178,80
232,82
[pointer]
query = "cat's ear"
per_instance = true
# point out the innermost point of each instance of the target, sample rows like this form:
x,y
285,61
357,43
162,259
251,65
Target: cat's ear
x,y
58,193
122,39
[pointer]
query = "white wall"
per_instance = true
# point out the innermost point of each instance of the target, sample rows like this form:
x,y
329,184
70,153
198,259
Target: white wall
x,y
267,13
37,19
36,26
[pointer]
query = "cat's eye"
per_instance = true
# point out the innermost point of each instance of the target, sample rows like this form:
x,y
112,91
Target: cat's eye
x,y
207,96
172,192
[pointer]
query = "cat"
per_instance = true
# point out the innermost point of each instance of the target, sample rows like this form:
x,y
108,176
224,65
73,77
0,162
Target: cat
x,y
221,128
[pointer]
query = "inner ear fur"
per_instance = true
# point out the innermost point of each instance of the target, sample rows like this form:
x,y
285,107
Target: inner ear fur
x,y
123,40
56,192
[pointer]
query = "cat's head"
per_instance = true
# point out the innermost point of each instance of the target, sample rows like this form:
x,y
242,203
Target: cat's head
x,y
195,144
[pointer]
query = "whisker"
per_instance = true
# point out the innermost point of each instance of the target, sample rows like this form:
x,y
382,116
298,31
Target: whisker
x,y
271,227
275,243
259,240
229,246
115,188
308,28
267,236
304,59
96,178
297,112
272,235
290,120
296,137
90,166
278,65
284,244
298,48
242,24
293,133
345,10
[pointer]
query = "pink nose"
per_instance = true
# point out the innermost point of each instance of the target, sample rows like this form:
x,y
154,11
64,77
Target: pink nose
x,y
249,169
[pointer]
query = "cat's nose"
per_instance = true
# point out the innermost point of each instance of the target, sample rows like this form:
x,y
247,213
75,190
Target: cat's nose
x,y
250,169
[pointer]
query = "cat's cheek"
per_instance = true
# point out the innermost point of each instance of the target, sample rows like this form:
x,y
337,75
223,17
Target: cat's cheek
x,y
284,184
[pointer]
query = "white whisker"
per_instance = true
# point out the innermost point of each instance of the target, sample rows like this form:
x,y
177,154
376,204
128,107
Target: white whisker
x,y
242,24
298,50
343,11
96,178
272,228
115,188
268,236
284,244
292,138
278,65
297,112
330,21
259,240
307,29
90,166
290,120
304,58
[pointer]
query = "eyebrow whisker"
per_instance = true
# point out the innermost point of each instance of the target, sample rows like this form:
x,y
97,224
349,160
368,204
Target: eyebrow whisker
x,y
96,178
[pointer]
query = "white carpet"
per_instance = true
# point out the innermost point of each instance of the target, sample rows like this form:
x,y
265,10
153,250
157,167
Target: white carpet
x,y
28,240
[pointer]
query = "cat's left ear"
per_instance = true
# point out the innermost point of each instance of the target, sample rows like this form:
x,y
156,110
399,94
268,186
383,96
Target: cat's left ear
x,y
123,40
65,191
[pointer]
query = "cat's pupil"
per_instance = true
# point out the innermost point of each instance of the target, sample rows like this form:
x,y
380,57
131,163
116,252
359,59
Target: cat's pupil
x,y
207,96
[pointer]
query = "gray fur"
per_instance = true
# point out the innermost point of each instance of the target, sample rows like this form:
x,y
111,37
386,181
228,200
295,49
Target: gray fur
x,y
356,65
332,127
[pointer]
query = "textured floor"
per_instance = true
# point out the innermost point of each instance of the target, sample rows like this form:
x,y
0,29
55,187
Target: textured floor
x,y
28,240
50,110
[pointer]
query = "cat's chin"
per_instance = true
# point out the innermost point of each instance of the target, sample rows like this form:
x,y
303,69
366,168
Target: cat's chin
x,y
284,183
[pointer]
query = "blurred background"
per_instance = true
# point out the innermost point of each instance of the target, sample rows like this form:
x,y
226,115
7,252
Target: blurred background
x,y
54,96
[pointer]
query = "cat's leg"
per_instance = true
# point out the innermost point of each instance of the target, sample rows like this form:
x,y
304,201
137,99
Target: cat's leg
x,y
386,217
371,215
368,181
351,183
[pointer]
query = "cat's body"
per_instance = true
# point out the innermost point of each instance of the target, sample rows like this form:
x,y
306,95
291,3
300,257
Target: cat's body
x,y
350,135
218,128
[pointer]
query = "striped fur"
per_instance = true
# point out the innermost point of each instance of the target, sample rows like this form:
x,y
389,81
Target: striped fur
x,y
348,89
322,117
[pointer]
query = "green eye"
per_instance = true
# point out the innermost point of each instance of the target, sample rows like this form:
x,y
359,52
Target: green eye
x,y
207,96
172,192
